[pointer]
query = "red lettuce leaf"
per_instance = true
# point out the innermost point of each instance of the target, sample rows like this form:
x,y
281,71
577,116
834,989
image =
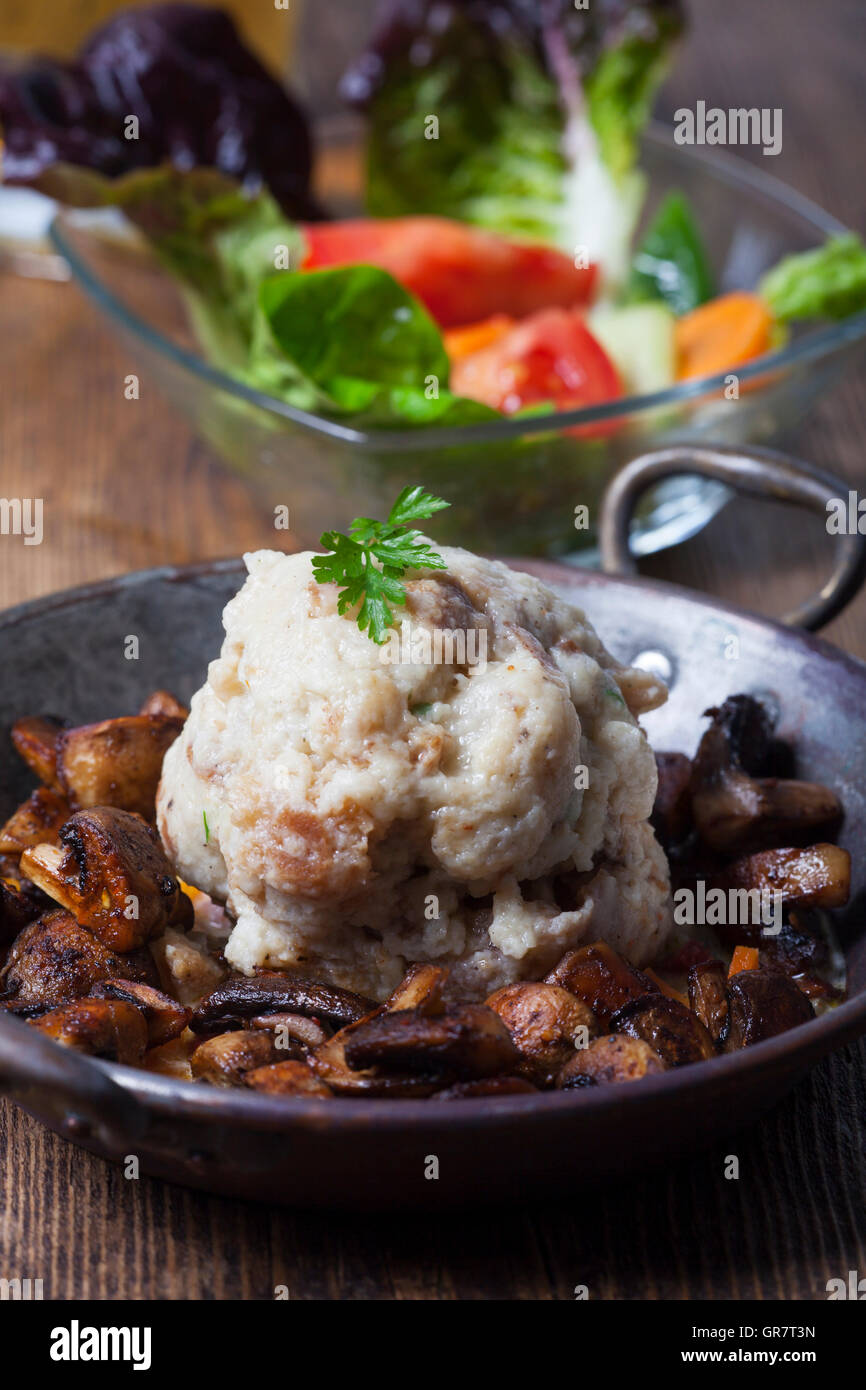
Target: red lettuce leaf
x,y
200,97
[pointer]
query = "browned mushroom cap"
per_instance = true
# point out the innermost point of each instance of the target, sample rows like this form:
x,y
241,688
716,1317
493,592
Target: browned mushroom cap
x,y
670,1029
420,988
488,1086
546,1023
734,808
242,997
21,1009
307,1033
672,812
35,739
109,1028
819,876
116,762
164,1017
112,874
287,1079
37,821
468,1040
608,1059
602,979
329,1063
172,1058
764,1002
225,1059
54,960
164,703
740,735
799,950
708,997
21,902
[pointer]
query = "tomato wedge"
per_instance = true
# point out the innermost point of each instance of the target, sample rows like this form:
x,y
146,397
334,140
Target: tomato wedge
x,y
551,356
462,274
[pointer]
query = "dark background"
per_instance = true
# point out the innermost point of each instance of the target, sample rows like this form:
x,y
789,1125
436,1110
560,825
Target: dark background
x,y
795,1218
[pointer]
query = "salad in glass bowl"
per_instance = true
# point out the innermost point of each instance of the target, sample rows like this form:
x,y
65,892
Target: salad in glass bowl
x,y
538,288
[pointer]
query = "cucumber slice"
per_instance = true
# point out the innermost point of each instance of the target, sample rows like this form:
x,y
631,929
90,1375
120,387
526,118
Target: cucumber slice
x,y
639,339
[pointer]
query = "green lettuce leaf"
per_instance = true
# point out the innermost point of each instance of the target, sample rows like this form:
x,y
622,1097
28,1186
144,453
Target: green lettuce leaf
x,y
827,283
351,342
524,118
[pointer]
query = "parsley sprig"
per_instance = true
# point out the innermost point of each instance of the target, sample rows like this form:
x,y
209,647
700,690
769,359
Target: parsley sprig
x,y
370,562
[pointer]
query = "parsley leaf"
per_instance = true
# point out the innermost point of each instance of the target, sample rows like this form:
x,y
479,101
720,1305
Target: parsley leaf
x,y
369,563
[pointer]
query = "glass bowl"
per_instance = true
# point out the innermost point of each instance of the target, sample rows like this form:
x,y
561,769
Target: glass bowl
x,y
513,485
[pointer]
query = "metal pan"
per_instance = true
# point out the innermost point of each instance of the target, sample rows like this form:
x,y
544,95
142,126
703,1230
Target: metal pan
x,y
65,654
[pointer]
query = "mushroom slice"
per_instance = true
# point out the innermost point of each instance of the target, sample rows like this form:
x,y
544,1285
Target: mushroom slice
x,y
799,951
165,1018
295,1028
225,1059
819,876
20,1009
116,762
242,997
112,874
287,1079
602,979
488,1086
54,960
110,1028
187,969
37,821
468,1040
764,1002
671,1030
162,702
740,735
609,1059
329,1063
546,1023
672,813
21,902
733,807
35,739
420,988
172,1058
738,811
708,998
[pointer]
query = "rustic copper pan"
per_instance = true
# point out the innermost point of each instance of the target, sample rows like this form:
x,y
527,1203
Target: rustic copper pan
x,y
65,654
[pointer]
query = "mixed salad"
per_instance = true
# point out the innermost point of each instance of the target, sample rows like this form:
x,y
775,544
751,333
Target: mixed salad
x,y
499,270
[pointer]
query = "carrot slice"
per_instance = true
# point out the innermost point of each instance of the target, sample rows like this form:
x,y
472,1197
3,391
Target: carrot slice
x,y
722,333
666,988
462,342
744,958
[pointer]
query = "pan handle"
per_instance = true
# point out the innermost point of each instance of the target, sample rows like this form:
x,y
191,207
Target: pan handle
x,y
67,1091
760,473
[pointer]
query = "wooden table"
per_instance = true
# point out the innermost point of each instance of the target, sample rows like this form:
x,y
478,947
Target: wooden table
x,y
125,485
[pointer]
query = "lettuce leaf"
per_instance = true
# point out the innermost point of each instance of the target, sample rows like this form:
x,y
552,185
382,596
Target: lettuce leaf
x,y
217,242
519,115
827,283
353,343
157,84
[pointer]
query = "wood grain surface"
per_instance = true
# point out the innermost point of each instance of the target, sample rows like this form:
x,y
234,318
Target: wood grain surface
x,y
126,485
